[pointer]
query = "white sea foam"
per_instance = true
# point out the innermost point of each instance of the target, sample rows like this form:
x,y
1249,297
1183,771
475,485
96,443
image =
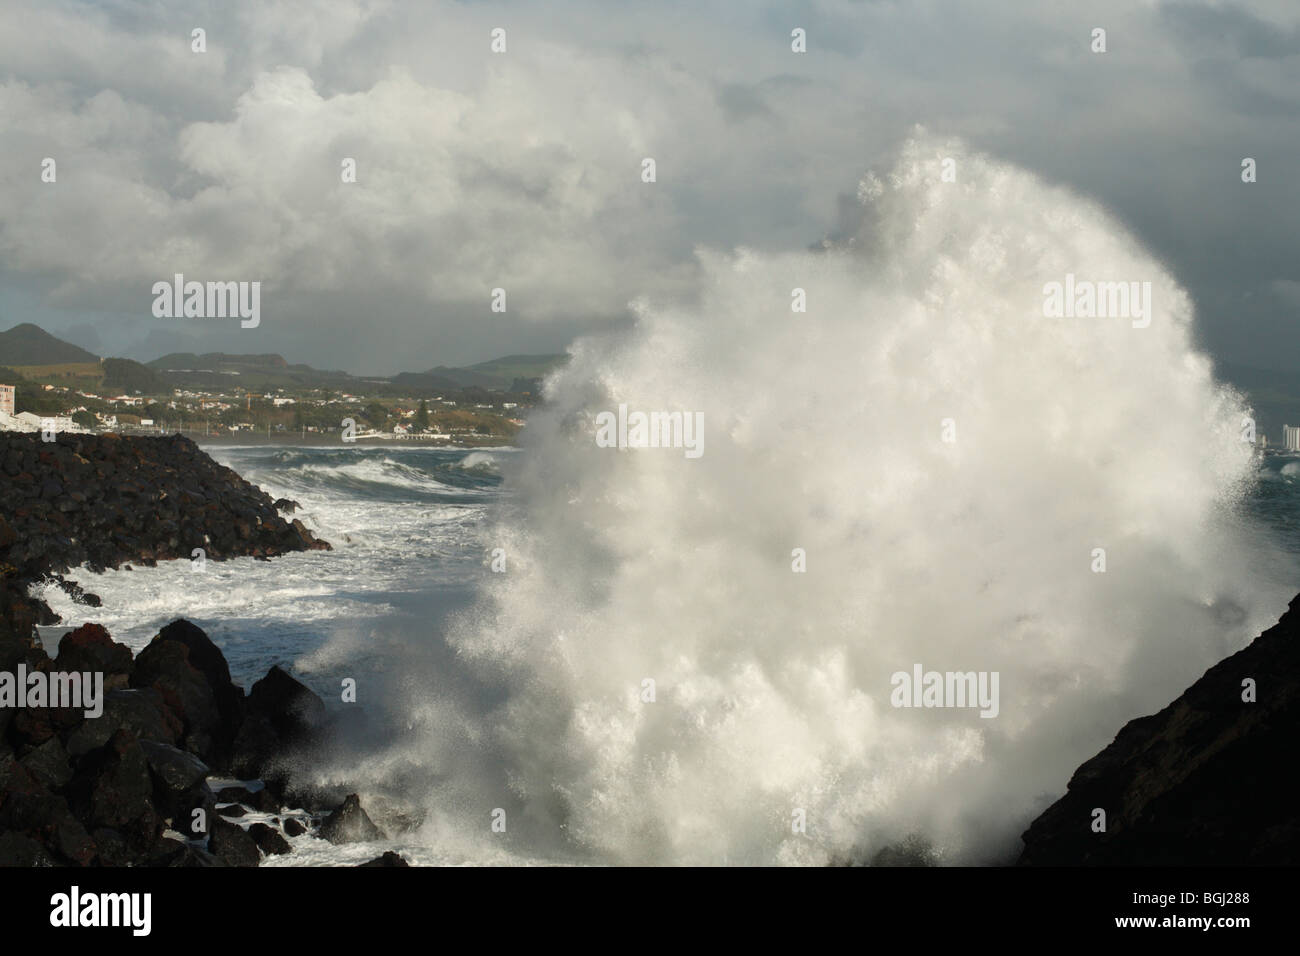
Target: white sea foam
x,y
772,687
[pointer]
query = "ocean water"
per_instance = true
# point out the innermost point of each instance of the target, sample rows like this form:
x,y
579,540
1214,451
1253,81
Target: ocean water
x,y
403,523
684,658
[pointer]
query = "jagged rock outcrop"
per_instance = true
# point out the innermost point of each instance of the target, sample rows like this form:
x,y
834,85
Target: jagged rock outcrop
x,y
1207,780
102,790
350,824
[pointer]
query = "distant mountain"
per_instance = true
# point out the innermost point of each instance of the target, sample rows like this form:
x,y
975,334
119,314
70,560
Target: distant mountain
x,y
221,369
126,375
500,373
215,370
443,377
519,366
28,344
213,361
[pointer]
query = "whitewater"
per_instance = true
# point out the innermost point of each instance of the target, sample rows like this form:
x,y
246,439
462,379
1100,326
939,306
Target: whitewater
x,y
652,679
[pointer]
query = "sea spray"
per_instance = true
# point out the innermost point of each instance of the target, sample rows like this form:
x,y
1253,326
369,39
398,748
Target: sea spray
x,y
946,459
690,660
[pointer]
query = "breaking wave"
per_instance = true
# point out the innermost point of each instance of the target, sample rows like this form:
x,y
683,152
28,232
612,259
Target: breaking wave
x,y
948,460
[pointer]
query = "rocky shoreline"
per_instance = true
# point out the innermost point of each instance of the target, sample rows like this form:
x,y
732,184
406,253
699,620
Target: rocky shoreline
x,y
132,784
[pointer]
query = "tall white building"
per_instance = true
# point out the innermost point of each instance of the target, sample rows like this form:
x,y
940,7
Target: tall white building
x,y
7,399
1291,437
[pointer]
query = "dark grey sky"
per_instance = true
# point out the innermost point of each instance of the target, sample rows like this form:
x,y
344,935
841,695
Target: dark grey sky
x,y
522,169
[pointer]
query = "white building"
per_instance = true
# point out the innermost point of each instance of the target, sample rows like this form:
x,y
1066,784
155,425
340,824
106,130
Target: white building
x,y
29,422
6,399
1291,437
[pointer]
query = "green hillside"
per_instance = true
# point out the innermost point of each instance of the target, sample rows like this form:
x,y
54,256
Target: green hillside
x,y
501,373
519,366
28,344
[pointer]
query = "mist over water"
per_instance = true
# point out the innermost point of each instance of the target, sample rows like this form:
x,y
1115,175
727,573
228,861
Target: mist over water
x,y
823,432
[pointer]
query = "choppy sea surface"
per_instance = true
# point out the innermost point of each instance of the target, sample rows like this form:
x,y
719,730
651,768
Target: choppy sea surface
x,y
403,524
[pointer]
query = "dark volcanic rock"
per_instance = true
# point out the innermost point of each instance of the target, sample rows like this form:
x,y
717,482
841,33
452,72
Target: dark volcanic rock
x,y
141,712
255,747
317,798
90,648
1206,781
191,674
165,666
294,828
349,824
235,795
208,660
19,850
15,778
76,591
175,853
48,764
193,856
281,714
174,769
111,847
388,859
265,801
47,819
232,846
268,840
104,500
293,710
112,787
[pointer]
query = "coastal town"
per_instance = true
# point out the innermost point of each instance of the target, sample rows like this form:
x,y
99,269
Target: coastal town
x,y
240,413
257,397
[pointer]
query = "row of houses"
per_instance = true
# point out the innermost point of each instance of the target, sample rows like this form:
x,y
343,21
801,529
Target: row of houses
x,y
29,422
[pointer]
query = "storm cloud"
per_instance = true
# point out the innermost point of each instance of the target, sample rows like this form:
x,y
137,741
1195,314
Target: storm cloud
x,y
522,169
